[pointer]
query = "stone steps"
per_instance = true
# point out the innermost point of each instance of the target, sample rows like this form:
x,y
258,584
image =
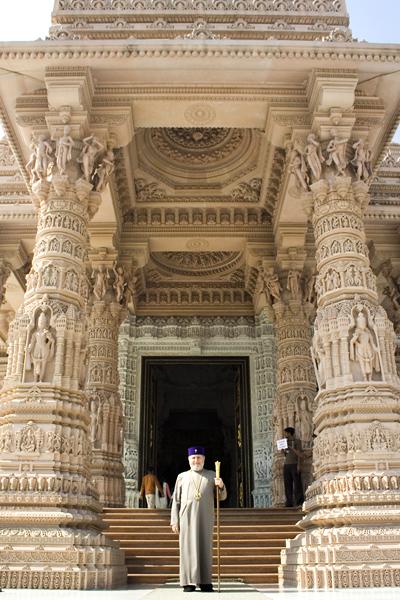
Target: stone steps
x,y
251,542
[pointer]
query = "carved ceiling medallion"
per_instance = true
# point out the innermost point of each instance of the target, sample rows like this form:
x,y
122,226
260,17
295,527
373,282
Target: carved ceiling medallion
x,y
197,264
196,157
196,146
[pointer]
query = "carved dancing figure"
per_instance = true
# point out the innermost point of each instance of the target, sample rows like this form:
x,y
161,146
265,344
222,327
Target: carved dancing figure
x,y
362,160
100,284
104,171
336,150
91,149
119,284
64,150
363,348
40,350
272,284
298,167
313,156
40,160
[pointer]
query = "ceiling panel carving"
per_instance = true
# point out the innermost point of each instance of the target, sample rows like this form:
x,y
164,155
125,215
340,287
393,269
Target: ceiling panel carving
x,y
195,159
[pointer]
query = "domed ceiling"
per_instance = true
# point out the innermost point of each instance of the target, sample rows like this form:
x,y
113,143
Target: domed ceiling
x,y
196,159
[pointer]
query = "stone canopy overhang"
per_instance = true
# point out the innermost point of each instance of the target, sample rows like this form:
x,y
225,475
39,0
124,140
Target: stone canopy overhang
x,y
277,90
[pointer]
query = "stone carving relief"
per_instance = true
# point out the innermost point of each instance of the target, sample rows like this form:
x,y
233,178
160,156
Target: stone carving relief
x,y
41,346
309,164
363,345
41,160
5,272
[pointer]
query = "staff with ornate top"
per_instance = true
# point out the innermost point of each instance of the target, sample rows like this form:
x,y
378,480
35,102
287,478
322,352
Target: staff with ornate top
x,y
192,516
217,489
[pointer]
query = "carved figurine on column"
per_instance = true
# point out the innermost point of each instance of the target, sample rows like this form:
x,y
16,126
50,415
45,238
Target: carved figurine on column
x,y
4,275
336,150
90,151
314,157
41,348
101,276
119,284
64,150
41,160
293,284
104,170
362,161
299,168
272,284
363,348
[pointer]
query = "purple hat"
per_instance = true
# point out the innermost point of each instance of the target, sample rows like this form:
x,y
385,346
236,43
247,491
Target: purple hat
x,y
196,450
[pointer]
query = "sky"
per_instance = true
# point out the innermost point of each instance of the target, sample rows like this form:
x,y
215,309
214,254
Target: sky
x,y
370,20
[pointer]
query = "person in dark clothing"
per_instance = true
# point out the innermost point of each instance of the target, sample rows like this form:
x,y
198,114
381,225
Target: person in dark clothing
x,y
291,475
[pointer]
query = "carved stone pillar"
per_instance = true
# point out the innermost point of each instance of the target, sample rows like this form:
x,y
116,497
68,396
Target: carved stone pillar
x,y
352,525
106,407
50,515
296,386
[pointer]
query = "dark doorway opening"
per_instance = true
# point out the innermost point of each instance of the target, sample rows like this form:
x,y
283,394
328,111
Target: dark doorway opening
x,y
198,401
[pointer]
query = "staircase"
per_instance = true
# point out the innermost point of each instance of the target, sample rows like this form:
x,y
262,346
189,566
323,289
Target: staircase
x,y
251,542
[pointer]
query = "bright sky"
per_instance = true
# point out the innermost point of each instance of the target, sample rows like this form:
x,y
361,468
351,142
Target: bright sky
x,y
371,20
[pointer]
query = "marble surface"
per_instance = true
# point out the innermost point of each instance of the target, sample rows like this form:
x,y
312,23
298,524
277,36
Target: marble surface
x,y
229,591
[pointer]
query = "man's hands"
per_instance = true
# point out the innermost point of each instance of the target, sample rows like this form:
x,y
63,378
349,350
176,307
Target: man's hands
x,y
175,528
218,482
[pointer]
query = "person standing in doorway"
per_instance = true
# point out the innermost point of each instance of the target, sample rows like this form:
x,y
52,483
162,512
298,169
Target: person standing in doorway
x,y
148,488
291,469
192,516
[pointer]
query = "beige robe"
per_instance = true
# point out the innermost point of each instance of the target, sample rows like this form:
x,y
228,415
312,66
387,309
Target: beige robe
x,y
196,525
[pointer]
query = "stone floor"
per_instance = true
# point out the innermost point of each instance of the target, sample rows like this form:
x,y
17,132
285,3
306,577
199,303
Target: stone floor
x,y
229,591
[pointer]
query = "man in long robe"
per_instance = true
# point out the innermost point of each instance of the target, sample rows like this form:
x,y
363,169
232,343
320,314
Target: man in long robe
x,y
192,516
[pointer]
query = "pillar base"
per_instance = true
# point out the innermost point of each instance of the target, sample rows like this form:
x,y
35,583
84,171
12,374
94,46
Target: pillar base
x,y
353,556
59,558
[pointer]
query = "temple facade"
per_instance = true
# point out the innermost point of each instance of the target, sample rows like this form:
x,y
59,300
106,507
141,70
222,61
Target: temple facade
x,y
199,243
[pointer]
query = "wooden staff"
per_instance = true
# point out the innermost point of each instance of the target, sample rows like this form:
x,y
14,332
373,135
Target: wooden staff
x,y
217,474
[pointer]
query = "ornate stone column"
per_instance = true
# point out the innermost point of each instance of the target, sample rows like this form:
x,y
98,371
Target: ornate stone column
x,y
296,386
106,315
352,532
50,515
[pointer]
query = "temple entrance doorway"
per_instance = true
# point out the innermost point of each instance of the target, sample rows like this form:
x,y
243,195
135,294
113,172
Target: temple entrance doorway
x,y
190,401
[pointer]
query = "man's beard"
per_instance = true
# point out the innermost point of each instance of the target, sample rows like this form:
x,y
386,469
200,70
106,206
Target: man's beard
x,y
197,467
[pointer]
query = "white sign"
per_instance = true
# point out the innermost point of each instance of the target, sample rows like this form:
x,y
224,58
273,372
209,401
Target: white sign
x,y
282,444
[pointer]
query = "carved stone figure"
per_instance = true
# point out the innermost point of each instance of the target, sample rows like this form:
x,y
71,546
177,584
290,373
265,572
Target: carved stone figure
x,y
272,285
104,170
313,156
305,417
64,150
41,347
91,149
40,160
298,167
120,283
293,284
363,348
362,160
4,274
101,276
310,288
336,150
